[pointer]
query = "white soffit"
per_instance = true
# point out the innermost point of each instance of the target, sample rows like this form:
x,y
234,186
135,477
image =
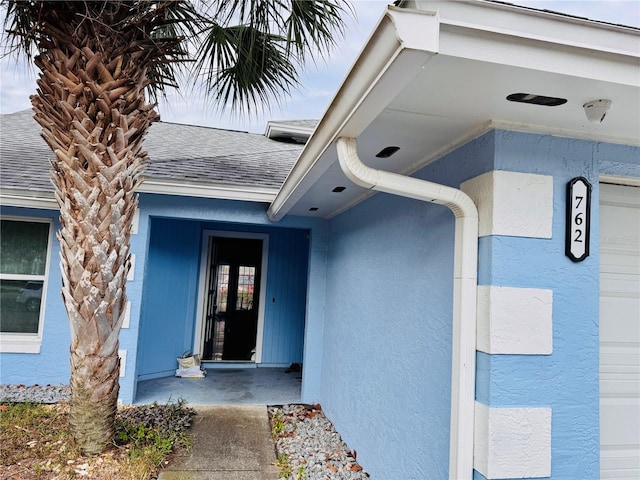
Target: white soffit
x,y
432,80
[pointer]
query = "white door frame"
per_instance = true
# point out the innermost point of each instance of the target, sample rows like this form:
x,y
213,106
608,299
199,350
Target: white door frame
x,y
203,281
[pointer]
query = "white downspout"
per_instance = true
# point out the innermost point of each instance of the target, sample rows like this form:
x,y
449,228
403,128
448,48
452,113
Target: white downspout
x,y
463,362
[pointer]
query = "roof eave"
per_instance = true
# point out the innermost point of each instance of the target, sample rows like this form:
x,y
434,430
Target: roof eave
x,y
402,45
11,197
387,63
218,191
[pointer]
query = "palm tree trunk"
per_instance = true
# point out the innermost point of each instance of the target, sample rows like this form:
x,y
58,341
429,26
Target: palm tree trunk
x,y
93,115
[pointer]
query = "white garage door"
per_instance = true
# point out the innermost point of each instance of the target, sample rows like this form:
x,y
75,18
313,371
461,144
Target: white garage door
x,y
619,332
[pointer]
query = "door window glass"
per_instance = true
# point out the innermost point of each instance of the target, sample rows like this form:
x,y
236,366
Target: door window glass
x,y
246,281
223,288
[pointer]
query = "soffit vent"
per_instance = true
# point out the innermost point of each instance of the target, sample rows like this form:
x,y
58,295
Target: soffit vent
x,y
386,152
536,99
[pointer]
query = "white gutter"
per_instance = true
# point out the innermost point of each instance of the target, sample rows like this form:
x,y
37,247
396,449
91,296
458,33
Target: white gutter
x,y
46,200
465,265
28,198
203,190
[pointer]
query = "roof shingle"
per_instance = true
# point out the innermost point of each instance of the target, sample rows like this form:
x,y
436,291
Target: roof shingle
x,y
184,153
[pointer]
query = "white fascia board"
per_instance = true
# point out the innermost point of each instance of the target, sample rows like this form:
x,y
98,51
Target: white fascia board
x,y
224,192
541,25
538,40
401,44
522,52
28,199
404,41
46,200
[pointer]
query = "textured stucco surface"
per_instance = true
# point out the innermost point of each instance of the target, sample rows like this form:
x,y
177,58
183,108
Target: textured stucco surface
x,y
51,365
378,327
512,203
567,380
358,366
386,375
512,442
514,320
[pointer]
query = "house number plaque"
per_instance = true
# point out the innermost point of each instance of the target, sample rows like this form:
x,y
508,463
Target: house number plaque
x,y
578,219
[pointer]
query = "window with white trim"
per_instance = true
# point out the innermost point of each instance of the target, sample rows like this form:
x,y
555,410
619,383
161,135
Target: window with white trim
x,y
25,245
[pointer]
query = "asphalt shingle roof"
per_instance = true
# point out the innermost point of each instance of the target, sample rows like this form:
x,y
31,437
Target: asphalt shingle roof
x,y
184,153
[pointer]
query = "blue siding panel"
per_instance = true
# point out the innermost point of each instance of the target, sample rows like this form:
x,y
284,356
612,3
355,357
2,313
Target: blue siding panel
x,y
213,214
169,304
285,297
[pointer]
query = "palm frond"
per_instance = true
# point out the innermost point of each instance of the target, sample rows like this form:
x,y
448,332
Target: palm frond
x,y
315,24
252,50
156,32
244,67
248,53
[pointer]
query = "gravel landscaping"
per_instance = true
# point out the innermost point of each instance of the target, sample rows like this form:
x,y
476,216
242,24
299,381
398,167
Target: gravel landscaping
x,y
35,393
307,444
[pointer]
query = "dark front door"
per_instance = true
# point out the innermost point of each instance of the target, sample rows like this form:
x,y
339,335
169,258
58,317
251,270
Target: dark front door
x,y
233,291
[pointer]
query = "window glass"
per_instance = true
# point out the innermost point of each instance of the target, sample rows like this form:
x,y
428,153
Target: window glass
x,y
23,260
20,306
23,247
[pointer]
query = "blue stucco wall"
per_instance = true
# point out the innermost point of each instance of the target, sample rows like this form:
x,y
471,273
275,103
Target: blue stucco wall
x,y
386,365
51,365
386,376
567,380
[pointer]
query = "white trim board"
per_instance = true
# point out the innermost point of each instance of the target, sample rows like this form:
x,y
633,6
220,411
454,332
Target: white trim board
x,y
30,342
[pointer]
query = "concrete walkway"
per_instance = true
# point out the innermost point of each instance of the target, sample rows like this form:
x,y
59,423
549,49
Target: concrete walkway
x,y
229,442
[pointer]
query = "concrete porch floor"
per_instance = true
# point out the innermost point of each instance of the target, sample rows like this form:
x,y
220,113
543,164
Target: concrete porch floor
x,y
246,386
